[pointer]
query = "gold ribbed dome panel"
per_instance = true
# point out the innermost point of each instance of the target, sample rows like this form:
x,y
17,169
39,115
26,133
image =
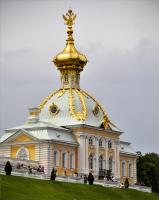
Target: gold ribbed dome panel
x,y
81,115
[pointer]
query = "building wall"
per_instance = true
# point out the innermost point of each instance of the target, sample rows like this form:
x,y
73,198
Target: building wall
x,y
5,151
127,160
44,153
85,150
67,150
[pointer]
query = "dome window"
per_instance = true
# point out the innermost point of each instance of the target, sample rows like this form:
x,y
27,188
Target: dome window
x,y
54,109
66,77
96,110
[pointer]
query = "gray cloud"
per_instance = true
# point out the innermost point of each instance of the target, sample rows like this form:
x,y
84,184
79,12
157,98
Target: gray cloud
x,y
121,41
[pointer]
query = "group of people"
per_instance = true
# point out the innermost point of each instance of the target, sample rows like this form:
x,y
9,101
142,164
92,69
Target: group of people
x,y
110,178
30,169
34,169
89,179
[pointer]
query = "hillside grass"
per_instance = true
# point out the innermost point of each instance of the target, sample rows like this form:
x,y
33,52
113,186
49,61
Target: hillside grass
x,y
20,188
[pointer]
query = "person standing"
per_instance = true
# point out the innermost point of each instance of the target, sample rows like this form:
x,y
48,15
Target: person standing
x,y
90,178
85,179
8,168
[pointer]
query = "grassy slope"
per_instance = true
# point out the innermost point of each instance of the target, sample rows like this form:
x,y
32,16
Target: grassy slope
x,y
19,188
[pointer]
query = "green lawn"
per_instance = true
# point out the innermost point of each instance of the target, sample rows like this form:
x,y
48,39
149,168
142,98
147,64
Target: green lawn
x,y
19,188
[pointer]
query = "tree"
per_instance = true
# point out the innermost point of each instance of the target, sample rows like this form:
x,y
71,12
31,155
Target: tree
x,y
148,171
126,183
53,174
8,168
90,178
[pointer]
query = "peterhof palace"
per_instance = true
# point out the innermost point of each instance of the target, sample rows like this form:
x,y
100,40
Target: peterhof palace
x,y
69,130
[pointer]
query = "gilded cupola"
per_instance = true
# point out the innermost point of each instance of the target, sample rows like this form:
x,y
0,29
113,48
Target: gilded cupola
x,y
70,105
70,61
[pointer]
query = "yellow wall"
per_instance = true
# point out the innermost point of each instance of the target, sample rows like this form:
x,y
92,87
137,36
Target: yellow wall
x,y
60,170
30,147
23,138
127,159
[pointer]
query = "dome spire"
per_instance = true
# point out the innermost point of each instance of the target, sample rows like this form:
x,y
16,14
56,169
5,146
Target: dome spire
x,y
69,18
70,62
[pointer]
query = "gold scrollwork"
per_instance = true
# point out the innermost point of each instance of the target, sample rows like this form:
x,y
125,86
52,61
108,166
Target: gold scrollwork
x,y
44,101
105,116
77,115
61,92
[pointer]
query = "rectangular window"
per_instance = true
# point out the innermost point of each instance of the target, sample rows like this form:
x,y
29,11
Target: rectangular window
x,y
63,160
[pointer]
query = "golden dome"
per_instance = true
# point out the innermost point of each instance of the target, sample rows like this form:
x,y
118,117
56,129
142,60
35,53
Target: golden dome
x,y
70,58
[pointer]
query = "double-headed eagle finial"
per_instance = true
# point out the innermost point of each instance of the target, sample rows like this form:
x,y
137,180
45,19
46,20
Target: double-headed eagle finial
x,y
69,18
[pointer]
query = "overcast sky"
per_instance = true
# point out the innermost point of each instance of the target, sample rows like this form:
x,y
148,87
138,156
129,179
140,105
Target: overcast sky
x,y
121,41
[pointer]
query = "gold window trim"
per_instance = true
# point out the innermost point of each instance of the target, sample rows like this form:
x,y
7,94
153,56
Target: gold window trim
x,y
56,107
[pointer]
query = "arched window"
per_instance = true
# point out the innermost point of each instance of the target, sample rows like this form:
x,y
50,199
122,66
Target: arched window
x,y
100,143
71,160
55,158
63,160
130,170
109,144
91,161
110,164
23,154
100,162
123,168
66,77
90,141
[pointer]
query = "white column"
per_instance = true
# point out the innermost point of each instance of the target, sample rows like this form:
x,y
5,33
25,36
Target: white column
x,y
115,158
86,156
81,153
97,156
134,171
106,154
118,160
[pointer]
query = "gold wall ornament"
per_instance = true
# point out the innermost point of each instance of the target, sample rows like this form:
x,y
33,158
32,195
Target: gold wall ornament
x,y
81,116
53,109
105,121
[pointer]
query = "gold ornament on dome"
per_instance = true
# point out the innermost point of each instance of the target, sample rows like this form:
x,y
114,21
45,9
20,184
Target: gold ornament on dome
x,y
70,57
95,110
61,93
46,99
81,116
54,110
69,18
106,120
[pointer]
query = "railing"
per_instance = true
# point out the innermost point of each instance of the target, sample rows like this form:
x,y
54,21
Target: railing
x,y
20,167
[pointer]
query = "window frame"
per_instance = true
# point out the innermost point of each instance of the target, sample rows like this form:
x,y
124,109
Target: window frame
x,y
91,161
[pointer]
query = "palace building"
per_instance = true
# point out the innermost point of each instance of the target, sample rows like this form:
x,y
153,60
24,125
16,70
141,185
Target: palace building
x,y
69,130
